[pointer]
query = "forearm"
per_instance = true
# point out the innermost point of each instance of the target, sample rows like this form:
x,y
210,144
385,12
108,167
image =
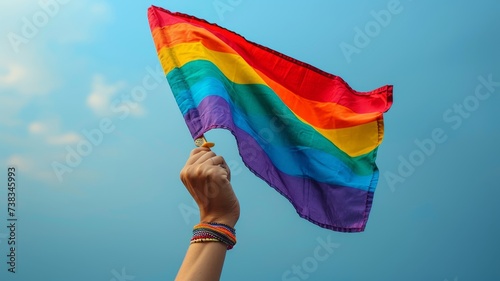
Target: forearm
x,y
203,262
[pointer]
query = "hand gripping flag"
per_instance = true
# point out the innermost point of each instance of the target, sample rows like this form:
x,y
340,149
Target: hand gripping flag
x,y
302,130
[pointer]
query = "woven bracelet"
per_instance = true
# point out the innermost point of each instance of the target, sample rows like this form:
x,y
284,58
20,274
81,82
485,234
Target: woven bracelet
x,y
214,232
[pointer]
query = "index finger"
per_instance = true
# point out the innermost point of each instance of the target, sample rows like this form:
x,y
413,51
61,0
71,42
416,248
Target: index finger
x,y
196,154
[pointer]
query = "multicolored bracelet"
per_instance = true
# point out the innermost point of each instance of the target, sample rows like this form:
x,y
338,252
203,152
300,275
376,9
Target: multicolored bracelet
x,y
214,232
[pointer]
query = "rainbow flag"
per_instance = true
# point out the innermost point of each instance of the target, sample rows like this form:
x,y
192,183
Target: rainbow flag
x,y
302,130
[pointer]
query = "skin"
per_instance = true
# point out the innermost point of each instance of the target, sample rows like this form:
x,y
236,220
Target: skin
x,y
207,178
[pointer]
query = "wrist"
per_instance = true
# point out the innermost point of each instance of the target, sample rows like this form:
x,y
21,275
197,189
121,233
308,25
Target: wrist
x,y
226,220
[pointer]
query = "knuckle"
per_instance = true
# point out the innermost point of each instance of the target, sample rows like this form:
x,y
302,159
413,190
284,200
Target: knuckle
x,y
183,173
199,172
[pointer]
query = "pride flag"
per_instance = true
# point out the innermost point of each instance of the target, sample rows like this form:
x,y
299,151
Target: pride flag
x,y
302,130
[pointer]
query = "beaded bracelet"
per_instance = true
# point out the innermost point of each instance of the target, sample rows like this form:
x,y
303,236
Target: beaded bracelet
x,y
214,232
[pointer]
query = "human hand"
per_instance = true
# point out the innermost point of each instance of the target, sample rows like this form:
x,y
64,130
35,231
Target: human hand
x,y
207,178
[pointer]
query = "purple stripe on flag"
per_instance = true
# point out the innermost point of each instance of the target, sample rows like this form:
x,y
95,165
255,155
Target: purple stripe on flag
x,y
317,202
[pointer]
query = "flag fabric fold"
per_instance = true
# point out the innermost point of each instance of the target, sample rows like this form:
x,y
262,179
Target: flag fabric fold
x,y
305,132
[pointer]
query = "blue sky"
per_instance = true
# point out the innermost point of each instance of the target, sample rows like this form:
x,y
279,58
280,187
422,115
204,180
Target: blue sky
x,y
88,70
